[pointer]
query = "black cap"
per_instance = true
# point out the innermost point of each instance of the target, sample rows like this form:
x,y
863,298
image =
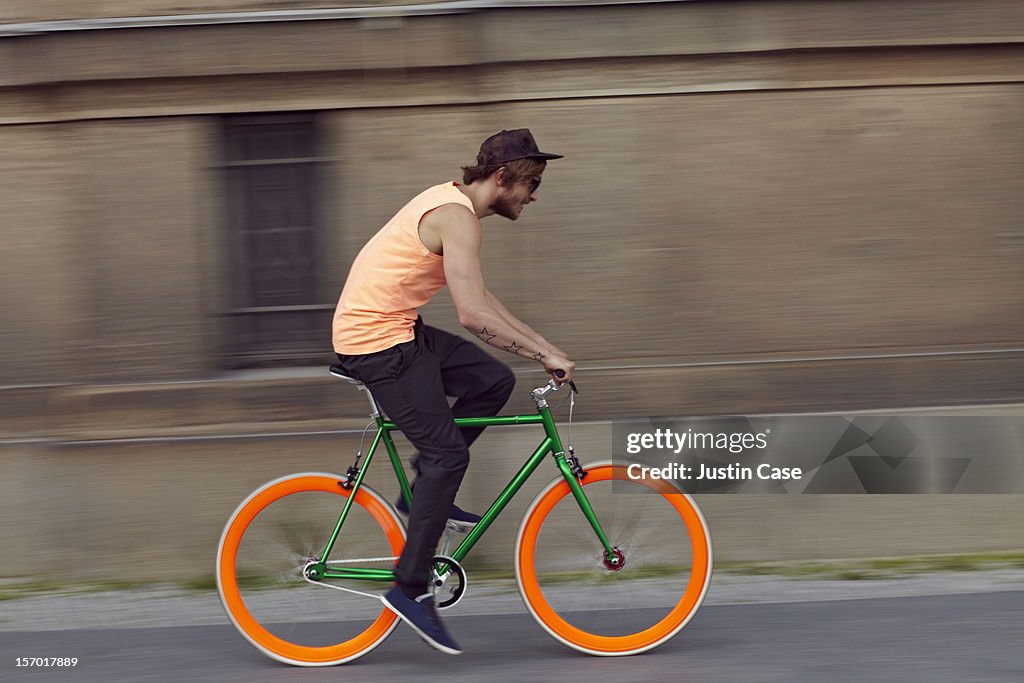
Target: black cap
x,y
509,145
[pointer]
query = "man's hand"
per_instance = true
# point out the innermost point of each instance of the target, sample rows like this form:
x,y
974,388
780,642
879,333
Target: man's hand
x,y
554,363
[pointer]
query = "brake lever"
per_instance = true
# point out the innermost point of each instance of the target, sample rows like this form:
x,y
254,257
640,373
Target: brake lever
x,y
572,385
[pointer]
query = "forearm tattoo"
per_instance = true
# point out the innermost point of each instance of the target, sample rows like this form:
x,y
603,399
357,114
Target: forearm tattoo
x,y
488,337
484,335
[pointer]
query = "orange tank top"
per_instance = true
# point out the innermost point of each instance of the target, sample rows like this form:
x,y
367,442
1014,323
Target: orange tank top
x,y
392,276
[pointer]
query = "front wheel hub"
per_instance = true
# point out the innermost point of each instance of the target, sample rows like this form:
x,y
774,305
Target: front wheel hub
x,y
616,561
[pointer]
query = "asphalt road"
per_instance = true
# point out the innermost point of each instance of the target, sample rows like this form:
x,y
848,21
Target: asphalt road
x,y
961,637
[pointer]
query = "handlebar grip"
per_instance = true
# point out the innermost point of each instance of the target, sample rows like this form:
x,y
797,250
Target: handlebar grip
x,y
560,374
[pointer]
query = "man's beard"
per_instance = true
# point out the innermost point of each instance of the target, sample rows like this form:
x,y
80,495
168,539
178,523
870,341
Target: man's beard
x,y
504,206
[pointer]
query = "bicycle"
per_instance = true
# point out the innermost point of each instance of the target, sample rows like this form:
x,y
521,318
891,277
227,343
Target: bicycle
x,y
584,546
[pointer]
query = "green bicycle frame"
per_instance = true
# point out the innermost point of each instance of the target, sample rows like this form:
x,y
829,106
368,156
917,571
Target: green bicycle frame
x,y
551,444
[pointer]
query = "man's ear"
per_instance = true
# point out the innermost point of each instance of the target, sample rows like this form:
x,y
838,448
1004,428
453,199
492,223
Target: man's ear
x,y
499,176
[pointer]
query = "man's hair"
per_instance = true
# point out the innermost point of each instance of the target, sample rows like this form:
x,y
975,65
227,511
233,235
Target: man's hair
x,y
518,169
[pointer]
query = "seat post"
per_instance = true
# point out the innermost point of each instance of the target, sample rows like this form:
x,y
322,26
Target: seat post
x,y
374,409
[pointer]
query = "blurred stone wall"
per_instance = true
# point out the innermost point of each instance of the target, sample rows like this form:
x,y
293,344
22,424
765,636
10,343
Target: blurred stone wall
x,y
744,183
57,10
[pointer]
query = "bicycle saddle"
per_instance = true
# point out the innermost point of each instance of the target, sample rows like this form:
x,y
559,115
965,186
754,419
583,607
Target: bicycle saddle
x,y
337,372
374,408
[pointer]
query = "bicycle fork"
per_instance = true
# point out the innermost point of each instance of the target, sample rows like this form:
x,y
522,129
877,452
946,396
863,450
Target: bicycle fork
x,y
573,474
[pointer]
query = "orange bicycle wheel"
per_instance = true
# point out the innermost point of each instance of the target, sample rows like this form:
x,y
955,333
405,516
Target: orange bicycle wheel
x,y
267,543
598,607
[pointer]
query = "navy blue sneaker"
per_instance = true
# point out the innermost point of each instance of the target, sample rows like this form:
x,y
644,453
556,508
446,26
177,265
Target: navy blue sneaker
x,y
458,519
421,615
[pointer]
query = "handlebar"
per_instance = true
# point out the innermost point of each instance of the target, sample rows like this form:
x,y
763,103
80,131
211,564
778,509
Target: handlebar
x,y
560,374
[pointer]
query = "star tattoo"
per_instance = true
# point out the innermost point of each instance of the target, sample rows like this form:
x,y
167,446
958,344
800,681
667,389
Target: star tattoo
x,y
537,356
513,347
485,335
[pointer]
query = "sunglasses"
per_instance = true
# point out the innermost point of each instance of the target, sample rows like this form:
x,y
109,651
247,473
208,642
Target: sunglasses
x,y
534,184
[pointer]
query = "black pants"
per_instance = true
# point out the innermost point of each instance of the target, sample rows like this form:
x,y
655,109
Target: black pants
x,y
411,382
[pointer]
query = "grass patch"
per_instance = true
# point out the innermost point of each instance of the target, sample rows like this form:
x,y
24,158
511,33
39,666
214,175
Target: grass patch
x,y
600,575
14,588
206,582
881,568
855,575
27,589
104,586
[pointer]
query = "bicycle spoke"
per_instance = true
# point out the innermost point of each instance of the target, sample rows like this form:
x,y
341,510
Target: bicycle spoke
x,y
603,608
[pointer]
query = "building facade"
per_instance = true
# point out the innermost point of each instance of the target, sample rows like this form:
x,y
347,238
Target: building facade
x,y
763,205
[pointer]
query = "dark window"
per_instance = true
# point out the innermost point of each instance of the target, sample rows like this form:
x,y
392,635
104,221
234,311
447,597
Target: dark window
x,y
271,169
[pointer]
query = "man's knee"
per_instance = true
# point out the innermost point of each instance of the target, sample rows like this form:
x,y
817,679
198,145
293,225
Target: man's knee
x,y
505,381
444,463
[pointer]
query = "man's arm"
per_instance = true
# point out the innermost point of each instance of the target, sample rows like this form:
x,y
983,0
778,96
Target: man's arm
x,y
461,237
519,325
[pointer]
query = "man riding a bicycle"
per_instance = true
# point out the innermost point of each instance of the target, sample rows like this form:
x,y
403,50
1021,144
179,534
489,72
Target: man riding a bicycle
x,y
412,368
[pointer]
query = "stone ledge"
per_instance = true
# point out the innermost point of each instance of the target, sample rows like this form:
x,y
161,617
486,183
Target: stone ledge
x,y
251,407
543,33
